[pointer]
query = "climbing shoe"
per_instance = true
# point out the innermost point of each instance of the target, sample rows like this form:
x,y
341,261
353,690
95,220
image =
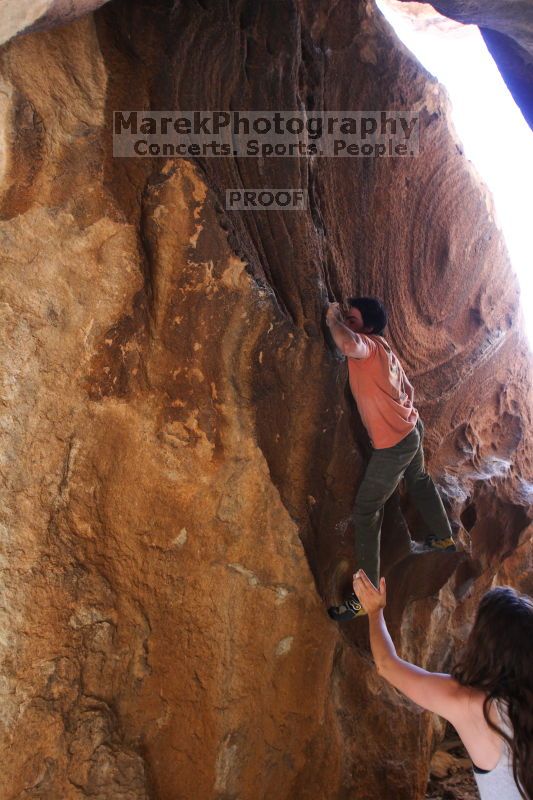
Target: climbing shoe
x,y
348,609
440,544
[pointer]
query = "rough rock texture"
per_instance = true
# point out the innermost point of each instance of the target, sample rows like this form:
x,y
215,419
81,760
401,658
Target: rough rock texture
x,y
451,775
180,454
507,28
22,16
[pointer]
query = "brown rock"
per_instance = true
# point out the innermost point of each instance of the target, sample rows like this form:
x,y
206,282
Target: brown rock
x,y
441,764
444,763
171,405
24,16
451,774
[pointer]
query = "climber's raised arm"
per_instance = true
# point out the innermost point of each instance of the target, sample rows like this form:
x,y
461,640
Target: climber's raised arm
x,y
434,691
349,343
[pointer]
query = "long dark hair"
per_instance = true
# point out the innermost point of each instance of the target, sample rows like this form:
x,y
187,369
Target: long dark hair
x,y
498,659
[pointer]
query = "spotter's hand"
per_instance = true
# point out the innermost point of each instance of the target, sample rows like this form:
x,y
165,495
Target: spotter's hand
x,y
372,599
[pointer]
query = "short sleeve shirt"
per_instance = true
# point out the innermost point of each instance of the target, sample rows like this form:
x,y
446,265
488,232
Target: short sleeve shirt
x,y
383,393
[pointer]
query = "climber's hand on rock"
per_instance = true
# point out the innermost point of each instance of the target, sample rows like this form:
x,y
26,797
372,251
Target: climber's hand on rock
x,y
371,599
333,311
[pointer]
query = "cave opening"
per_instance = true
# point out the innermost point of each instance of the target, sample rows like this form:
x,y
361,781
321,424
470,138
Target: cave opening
x,y
493,132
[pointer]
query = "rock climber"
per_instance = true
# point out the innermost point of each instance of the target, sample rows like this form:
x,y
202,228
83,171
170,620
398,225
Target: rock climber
x,y
384,398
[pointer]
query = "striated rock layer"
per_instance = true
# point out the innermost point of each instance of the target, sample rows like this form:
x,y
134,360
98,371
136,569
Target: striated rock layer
x,y
180,454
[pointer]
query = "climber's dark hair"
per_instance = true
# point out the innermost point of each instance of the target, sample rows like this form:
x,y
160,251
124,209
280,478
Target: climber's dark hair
x,y
498,659
372,311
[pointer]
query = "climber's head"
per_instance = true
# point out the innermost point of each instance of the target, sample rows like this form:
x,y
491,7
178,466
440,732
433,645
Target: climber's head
x,y
498,659
366,315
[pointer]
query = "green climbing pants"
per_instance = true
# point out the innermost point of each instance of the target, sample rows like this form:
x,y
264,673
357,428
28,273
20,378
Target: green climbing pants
x,y
383,473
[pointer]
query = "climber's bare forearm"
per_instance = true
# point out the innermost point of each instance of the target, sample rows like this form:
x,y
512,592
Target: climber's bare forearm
x,y
349,343
341,334
382,646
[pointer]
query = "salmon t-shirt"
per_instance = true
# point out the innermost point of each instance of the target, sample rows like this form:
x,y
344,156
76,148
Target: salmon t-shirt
x,y
382,392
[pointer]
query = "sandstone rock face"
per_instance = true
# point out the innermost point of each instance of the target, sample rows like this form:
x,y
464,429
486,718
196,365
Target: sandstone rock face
x,y
179,452
21,16
507,28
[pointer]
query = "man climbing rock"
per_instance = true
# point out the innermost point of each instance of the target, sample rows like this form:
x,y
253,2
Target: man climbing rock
x,y
384,398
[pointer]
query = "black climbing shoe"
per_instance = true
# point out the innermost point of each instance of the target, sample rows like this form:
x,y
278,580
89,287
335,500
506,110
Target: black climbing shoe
x,y
348,609
440,544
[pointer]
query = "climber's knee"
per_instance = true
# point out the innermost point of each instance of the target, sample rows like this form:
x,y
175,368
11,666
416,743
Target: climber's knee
x,y
419,482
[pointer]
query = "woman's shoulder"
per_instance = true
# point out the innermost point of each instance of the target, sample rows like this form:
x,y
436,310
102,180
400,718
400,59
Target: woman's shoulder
x,y
474,698
471,703
471,696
